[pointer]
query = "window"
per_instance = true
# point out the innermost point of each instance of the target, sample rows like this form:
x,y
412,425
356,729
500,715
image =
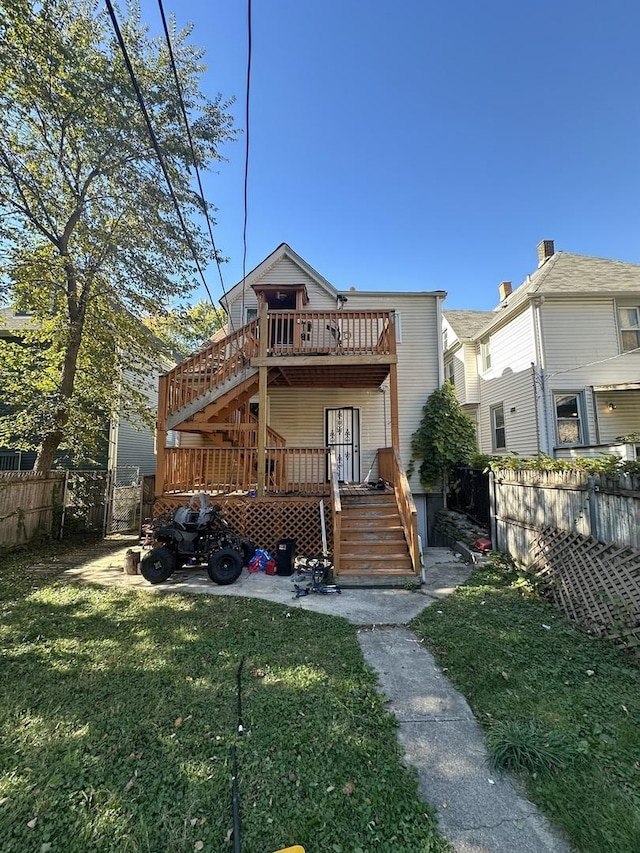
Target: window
x,y
498,432
445,340
449,372
250,314
569,418
629,320
397,321
485,353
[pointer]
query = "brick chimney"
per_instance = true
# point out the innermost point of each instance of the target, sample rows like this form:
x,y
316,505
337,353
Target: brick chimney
x,y
504,290
545,251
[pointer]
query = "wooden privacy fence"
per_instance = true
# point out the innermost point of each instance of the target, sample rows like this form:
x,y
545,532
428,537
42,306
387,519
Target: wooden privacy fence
x,y
596,506
30,505
596,584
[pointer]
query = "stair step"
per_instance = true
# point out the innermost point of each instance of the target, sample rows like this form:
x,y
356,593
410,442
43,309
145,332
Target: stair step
x,y
356,502
353,567
382,534
370,512
372,558
384,550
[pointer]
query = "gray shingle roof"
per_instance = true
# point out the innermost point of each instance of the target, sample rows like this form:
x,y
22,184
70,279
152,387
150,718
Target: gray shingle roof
x,y
568,273
467,323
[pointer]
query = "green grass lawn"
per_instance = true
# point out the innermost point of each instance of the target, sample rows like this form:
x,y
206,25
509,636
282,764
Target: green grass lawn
x,y
559,706
119,709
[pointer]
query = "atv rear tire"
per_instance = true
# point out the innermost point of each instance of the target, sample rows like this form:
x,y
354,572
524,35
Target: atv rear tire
x,y
158,565
224,566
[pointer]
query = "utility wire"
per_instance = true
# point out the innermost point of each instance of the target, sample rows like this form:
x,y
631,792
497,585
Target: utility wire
x,y
191,146
593,363
154,142
246,154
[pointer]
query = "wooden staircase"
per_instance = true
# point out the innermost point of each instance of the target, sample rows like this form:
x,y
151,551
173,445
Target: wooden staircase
x,y
373,548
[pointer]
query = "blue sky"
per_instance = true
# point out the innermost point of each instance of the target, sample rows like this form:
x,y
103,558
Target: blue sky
x,y
418,145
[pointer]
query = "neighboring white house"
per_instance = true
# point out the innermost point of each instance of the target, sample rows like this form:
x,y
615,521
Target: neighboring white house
x,y
555,367
131,445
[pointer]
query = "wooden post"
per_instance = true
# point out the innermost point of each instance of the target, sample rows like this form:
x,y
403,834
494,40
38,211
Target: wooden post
x,y
262,399
393,388
161,436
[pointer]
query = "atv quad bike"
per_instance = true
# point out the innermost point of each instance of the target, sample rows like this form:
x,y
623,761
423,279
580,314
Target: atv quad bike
x,y
195,534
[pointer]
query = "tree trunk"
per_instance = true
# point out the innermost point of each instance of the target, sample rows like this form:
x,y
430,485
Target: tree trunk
x,y
51,440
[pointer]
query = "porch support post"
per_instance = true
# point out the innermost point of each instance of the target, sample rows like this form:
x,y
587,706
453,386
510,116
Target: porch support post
x,y
262,427
161,437
263,371
393,389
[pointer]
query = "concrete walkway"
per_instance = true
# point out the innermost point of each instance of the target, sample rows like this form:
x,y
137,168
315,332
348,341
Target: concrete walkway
x,y
478,811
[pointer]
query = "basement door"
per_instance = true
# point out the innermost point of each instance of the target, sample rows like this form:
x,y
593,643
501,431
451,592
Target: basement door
x,y
342,430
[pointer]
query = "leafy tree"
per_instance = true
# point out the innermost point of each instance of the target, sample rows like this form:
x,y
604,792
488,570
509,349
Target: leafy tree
x,y
186,329
90,240
445,438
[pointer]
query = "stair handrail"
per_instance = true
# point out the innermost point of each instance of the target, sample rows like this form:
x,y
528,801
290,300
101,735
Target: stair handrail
x,y
210,366
392,471
336,510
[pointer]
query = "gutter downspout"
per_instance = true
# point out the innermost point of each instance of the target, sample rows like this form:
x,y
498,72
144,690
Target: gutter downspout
x,y
539,383
439,302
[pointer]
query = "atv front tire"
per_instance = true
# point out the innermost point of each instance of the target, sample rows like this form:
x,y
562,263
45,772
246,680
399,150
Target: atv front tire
x,y
158,565
224,566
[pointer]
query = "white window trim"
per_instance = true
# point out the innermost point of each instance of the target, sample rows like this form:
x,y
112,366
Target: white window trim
x,y
628,307
582,418
485,354
397,322
492,413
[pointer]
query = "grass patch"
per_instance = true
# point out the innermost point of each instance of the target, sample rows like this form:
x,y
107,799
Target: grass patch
x,y
119,710
560,708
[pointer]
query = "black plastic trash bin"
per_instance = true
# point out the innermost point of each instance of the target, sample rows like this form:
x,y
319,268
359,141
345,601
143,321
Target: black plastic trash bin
x,y
285,553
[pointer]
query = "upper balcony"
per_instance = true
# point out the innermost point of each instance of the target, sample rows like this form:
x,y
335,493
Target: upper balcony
x,y
300,348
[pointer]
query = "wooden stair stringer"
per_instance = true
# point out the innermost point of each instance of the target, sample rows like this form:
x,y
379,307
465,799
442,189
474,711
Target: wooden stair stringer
x,y
216,397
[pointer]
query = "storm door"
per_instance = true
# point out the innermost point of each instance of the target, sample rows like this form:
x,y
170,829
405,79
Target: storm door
x,y
343,437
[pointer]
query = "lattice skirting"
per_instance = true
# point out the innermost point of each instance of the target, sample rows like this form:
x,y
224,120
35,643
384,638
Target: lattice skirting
x,y
594,583
267,520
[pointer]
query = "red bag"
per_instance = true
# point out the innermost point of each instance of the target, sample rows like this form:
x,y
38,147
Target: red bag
x,y
270,567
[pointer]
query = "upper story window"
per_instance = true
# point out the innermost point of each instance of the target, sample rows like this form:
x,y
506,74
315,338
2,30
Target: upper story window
x,y
485,353
629,320
445,339
397,321
449,372
569,418
498,432
250,314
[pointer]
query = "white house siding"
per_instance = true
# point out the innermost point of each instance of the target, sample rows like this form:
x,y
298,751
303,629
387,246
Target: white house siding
x,y
582,349
417,357
300,417
510,382
284,272
131,441
623,420
471,378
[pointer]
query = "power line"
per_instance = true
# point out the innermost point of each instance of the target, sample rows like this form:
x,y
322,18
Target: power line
x,y
191,146
154,142
593,363
246,155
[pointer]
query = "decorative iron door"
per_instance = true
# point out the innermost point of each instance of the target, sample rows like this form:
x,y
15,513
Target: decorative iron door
x,y
343,437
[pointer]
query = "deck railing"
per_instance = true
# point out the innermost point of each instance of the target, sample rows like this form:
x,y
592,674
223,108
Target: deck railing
x,y
329,332
391,470
289,470
288,333
211,366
